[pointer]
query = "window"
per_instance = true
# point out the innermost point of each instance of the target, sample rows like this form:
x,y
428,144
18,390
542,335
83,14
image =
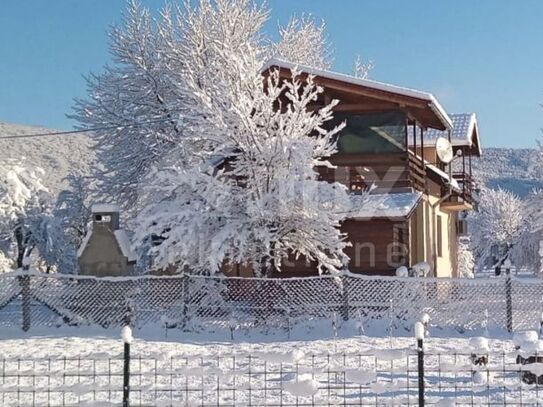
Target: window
x,y
439,236
102,218
371,133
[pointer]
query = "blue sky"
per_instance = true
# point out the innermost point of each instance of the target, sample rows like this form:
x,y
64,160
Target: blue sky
x,y
483,56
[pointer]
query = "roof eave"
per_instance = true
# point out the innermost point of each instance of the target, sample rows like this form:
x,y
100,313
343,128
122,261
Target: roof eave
x,y
433,104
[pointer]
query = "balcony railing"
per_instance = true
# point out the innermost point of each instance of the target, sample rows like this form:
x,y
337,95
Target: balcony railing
x,y
387,172
466,184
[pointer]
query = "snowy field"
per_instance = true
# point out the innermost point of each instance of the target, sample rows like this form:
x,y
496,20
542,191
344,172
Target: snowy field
x,y
78,367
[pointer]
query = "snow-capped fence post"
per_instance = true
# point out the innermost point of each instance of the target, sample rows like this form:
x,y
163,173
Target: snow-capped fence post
x,y
345,309
126,334
24,282
419,335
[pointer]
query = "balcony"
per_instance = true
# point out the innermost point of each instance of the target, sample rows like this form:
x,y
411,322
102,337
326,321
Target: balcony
x,y
388,172
461,197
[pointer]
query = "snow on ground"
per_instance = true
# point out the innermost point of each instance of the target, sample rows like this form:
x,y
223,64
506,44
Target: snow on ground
x,y
53,342
194,368
57,155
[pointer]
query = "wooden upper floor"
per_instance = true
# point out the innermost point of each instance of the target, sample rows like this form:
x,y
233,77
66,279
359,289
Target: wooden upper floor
x,y
389,137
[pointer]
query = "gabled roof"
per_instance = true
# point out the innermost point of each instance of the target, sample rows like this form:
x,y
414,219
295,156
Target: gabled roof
x,y
391,205
124,244
465,131
122,239
430,100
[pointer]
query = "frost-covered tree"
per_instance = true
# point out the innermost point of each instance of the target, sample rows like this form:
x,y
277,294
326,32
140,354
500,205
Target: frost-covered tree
x,y
498,226
219,53
303,41
527,251
22,199
72,208
466,261
54,251
141,108
32,230
268,205
362,69
132,106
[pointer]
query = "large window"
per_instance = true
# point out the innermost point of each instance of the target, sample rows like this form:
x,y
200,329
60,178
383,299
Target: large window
x,y
372,133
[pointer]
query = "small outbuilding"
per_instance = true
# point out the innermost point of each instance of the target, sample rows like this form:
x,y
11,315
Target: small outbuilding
x,y
106,251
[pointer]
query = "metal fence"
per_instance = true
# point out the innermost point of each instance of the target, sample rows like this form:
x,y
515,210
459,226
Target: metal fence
x,y
201,303
386,377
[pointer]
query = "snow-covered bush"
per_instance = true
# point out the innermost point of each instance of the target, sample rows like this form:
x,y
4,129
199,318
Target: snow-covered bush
x,y
465,259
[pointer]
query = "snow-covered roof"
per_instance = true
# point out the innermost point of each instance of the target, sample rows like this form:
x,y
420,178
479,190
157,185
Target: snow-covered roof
x,y
464,126
105,208
122,240
443,174
392,205
84,243
124,243
432,101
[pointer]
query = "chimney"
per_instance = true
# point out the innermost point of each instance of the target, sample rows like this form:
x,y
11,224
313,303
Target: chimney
x,y
106,214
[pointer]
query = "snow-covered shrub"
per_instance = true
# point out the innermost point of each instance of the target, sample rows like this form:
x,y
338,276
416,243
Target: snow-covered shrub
x,y
421,269
465,259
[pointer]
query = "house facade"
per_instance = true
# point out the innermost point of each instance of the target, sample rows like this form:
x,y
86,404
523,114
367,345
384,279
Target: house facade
x,y
414,212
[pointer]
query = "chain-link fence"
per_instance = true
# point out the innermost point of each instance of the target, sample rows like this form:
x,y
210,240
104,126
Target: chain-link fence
x,y
198,302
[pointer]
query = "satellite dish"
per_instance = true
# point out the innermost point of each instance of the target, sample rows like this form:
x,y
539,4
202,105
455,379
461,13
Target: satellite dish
x,y
444,150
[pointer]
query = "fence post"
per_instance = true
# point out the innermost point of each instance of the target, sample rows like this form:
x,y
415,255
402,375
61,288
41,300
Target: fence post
x,y
509,301
24,281
126,334
185,280
345,308
419,335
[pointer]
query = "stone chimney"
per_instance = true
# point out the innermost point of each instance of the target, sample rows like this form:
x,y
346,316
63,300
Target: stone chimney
x,y
106,215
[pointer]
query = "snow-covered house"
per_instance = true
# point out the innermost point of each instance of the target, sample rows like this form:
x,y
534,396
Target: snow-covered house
x,y
413,213
106,250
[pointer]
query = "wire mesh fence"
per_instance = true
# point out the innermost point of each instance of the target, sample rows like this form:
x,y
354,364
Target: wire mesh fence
x,y
198,302
385,377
